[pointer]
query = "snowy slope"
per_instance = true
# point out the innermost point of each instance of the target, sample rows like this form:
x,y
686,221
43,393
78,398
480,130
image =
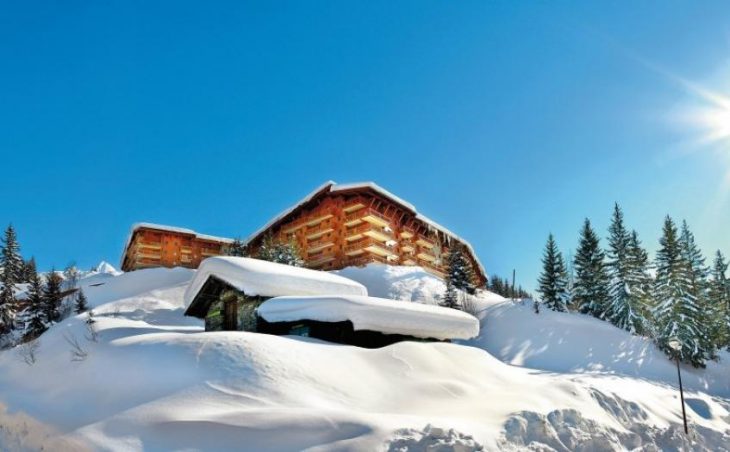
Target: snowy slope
x,y
154,381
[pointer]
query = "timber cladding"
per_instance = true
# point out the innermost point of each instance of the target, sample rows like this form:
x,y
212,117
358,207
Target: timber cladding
x,y
162,246
334,227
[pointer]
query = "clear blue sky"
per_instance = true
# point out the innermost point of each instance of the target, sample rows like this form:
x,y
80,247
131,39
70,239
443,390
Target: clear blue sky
x,y
500,120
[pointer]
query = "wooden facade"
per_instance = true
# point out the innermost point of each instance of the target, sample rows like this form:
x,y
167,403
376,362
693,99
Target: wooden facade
x,y
334,227
360,225
161,246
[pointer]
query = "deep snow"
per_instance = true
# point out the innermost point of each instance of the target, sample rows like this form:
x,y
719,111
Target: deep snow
x,y
154,381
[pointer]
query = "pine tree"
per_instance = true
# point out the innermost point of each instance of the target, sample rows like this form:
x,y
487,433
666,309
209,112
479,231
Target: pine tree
x,y
282,253
36,307
459,272
12,265
237,248
81,303
698,272
10,259
719,298
29,270
451,297
677,315
553,280
52,297
590,292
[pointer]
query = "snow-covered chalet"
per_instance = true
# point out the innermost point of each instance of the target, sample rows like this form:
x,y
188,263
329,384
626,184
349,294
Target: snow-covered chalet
x,y
335,226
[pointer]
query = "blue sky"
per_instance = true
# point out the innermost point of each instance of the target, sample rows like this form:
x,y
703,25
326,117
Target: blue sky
x,y
501,120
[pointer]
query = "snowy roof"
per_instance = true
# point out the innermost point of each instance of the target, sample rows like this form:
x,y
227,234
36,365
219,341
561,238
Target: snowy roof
x,y
162,227
374,314
332,187
268,279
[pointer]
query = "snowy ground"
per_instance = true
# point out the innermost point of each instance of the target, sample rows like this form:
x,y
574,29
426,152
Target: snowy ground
x,y
153,381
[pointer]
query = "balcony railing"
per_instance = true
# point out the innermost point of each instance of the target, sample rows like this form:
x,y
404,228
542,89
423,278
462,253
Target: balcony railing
x,y
319,244
361,213
318,229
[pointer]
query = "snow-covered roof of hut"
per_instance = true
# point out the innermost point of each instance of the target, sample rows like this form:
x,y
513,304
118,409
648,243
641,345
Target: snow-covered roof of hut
x,y
255,277
374,314
162,227
331,187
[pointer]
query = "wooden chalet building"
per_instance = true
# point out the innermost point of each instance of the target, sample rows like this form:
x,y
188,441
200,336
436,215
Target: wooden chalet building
x,y
335,226
154,245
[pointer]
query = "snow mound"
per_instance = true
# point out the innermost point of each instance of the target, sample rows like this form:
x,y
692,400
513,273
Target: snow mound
x,y
374,314
153,380
408,283
576,343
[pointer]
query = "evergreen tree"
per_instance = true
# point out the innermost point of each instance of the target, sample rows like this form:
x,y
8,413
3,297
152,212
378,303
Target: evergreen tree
x,y
590,291
81,303
459,272
282,253
618,262
677,315
52,297
29,270
698,272
451,297
237,248
553,280
719,296
12,265
10,259
630,307
36,307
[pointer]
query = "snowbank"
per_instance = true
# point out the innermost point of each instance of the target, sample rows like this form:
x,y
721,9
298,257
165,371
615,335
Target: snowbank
x,y
154,381
576,343
374,314
261,278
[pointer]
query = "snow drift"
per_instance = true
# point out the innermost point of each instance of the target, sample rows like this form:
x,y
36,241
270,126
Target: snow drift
x,y
152,380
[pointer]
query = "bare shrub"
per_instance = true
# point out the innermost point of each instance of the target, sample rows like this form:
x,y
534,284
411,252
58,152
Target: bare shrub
x,y
469,304
78,353
91,333
28,350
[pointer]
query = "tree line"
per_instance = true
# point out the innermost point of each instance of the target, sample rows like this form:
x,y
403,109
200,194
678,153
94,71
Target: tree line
x,y
675,299
24,319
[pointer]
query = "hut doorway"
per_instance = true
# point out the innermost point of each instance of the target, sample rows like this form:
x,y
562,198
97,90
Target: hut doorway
x,y
230,315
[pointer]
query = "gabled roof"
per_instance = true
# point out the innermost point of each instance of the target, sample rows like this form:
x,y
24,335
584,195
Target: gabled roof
x,y
333,187
256,277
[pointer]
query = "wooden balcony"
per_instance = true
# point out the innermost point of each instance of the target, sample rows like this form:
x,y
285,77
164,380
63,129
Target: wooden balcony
x,y
148,245
426,257
370,245
319,261
318,230
367,214
425,243
353,207
368,230
359,261
407,234
316,245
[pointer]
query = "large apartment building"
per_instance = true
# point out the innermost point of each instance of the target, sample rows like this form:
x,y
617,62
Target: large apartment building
x,y
335,226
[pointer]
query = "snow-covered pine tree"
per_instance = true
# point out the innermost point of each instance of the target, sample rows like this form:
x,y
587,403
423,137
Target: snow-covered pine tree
x,y
29,270
698,273
552,284
677,315
36,307
450,298
290,255
618,261
459,272
237,248
12,269
52,297
719,296
590,291
10,259
81,303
